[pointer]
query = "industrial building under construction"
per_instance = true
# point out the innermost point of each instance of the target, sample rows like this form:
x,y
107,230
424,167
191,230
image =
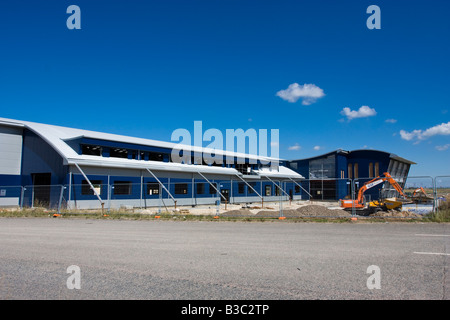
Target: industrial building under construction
x,y
90,169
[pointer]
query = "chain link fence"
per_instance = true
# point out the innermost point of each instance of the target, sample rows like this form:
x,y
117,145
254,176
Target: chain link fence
x,y
239,197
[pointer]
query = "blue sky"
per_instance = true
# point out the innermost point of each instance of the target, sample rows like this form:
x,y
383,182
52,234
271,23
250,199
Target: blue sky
x,y
146,68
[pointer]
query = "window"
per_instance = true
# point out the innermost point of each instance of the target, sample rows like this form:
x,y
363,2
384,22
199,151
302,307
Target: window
x,y
268,190
355,167
212,159
371,170
152,189
350,169
377,169
253,185
297,189
118,153
86,188
200,188
277,190
322,168
244,168
122,187
91,150
155,156
241,188
342,174
181,188
211,189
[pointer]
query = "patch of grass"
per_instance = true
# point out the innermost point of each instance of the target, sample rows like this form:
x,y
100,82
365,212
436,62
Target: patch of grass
x,y
442,215
439,216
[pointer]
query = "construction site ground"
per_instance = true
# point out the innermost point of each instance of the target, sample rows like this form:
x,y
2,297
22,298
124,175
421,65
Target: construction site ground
x,y
272,209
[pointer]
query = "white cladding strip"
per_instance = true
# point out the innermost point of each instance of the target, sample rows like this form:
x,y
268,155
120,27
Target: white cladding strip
x,y
10,150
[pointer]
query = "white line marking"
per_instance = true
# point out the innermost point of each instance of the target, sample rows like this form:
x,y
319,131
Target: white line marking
x,y
432,235
436,253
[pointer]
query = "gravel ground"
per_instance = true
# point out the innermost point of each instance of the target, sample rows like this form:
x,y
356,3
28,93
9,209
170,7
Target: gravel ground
x,y
303,211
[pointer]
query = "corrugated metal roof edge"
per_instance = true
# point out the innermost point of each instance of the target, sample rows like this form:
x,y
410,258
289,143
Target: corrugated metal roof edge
x,y
322,155
121,138
391,155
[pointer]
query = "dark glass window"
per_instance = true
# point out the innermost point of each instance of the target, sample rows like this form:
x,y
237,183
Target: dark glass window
x,y
86,188
152,189
181,188
122,187
253,185
268,190
91,150
211,189
155,156
118,153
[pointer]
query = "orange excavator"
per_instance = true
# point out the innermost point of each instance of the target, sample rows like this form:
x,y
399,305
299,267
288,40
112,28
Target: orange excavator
x,y
376,205
421,190
420,196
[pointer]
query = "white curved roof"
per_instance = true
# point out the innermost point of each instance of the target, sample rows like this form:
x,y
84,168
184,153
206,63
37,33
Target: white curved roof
x,y
56,137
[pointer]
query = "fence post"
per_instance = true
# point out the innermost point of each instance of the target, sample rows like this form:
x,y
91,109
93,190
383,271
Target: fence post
x,y
353,197
434,195
60,199
109,197
22,194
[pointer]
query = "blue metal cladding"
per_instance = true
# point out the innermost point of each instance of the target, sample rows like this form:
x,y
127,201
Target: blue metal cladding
x,y
342,185
363,158
39,157
189,185
10,180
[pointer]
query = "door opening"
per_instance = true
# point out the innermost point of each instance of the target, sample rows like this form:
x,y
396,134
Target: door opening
x,y
41,189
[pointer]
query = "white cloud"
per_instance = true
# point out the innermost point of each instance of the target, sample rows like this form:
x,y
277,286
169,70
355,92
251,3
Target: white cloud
x,y
362,112
443,148
317,148
409,135
442,129
295,147
390,121
309,93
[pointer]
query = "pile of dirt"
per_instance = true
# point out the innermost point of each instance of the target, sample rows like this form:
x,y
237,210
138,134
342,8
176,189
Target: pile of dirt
x,y
395,213
313,211
237,213
304,211
269,213
321,211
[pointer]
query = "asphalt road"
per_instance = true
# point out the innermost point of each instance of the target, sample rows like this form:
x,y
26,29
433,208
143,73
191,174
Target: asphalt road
x,y
222,260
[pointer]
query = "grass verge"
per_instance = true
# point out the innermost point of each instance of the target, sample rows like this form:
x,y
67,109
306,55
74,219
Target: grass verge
x,y
443,215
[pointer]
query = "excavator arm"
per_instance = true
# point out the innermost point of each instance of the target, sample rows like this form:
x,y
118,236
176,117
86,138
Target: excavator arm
x,y
422,190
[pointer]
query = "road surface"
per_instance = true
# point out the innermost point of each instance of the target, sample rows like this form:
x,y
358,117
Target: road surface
x,y
58,258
